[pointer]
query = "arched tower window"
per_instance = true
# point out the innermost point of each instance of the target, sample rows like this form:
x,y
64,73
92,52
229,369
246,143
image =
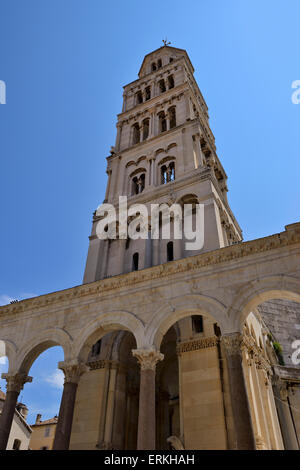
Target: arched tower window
x,y
139,97
16,444
136,136
162,122
135,262
163,174
172,117
96,348
153,67
135,187
138,184
162,86
171,171
171,83
167,172
170,251
159,63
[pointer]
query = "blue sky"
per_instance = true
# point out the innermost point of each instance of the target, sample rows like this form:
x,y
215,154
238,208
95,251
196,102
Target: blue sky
x,y
64,63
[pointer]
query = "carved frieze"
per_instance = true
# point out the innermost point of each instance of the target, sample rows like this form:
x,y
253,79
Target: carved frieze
x,y
194,345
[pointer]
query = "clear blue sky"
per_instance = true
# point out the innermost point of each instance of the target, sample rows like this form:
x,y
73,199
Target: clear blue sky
x,y
64,63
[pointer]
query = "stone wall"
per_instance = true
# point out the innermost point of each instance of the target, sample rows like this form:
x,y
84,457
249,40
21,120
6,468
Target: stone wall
x,y
281,317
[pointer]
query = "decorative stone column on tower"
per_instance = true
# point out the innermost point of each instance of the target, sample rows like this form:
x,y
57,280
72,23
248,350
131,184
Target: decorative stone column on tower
x,y
240,405
73,372
15,384
148,359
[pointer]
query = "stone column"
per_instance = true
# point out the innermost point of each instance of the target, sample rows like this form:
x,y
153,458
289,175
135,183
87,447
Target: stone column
x,y
119,132
14,384
163,424
124,102
168,120
148,172
141,127
188,107
104,261
108,172
122,248
153,90
151,123
148,251
73,372
201,159
110,406
148,359
262,406
265,374
239,400
285,418
155,252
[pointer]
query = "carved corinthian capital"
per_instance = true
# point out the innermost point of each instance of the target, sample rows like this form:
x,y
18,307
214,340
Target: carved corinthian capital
x,y
148,358
15,383
233,343
73,371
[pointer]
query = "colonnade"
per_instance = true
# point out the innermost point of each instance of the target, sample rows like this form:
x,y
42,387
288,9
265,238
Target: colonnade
x,y
147,359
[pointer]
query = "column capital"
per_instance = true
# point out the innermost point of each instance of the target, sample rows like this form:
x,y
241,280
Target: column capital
x,y
147,358
73,370
233,343
15,383
282,388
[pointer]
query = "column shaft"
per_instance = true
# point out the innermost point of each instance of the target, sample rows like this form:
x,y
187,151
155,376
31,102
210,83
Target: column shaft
x,y
65,418
239,399
7,417
146,426
286,423
73,371
147,420
14,385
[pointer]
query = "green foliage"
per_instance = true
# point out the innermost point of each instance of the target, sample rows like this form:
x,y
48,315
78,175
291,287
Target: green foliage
x,y
277,347
278,351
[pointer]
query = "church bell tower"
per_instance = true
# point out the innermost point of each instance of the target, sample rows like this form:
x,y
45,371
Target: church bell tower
x,y
164,153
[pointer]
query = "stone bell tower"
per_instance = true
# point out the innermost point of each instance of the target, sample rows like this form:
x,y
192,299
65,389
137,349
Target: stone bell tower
x,y
164,153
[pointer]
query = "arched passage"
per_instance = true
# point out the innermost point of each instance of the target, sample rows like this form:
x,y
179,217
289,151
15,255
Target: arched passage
x,y
26,358
259,291
43,340
267,311
106,408
189,382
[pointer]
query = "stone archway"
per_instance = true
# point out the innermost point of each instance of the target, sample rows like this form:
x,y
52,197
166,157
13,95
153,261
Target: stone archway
x,y
111,384
105,323
182,307
261,290
36,345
